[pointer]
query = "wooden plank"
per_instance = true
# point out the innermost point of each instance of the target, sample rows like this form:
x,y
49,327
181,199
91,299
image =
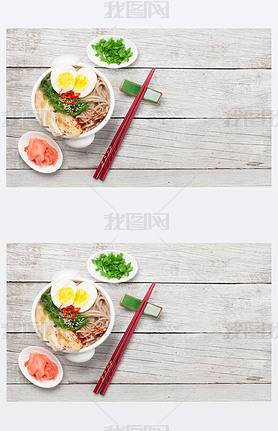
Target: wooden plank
x,y
143,393
199,93
166,263
171,144
186,308
164,359
143,178
188,48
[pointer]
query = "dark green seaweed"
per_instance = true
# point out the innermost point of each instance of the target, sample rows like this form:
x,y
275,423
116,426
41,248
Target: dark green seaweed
x,y
57,101
57,316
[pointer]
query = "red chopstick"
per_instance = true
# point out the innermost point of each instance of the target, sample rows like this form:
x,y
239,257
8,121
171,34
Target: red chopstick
x,y
122,129
129,118
118,348
119,140
133,106
119,351
120,354
125,342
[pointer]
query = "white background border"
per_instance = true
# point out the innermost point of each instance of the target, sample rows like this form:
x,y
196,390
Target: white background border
x,y
196,215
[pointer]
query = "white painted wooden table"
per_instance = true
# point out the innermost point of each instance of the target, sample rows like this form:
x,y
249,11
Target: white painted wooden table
x,y
212,127
211,343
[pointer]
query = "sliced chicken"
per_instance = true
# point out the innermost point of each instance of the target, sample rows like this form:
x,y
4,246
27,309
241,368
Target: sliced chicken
x,y
52,337
59,124
68,340
68,125
41,322
46,114
42,107
52,123
46,328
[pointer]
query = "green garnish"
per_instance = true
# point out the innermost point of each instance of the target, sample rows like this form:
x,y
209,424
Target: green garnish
x,y
112,51
112,266
57,316
57,101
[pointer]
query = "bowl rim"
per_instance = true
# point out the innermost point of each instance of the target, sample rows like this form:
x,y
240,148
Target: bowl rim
x,y
104,336
111,92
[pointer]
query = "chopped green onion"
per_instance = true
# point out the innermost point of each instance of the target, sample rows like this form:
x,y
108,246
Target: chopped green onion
x,y
111,266
112,52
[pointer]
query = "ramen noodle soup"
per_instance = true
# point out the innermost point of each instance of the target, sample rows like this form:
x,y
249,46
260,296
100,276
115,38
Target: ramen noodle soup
x,y
72,100
99,104
67,327
99,319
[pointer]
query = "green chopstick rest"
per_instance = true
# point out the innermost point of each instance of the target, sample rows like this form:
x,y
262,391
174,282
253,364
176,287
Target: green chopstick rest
x,y
133,304
132,88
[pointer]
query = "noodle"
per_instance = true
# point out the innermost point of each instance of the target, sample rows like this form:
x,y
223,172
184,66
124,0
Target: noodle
x,y
99,321
99,106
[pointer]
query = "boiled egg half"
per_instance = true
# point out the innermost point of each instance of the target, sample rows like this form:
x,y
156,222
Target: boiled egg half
x,y
63,292
63,78
85,81
86,295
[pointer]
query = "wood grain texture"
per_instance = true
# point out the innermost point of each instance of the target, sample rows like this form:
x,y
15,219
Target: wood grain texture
x,y
164,359
166,263
214,331
212,129
196,308
139,178
190,48
145,393
199,93
199,144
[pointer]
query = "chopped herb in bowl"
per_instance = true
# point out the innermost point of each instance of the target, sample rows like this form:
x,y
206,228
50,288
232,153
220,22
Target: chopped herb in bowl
x,y
112,266
112,51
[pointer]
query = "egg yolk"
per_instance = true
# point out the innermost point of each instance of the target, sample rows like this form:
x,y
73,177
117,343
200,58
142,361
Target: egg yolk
x,y
65,295
81,298
65,81
81,83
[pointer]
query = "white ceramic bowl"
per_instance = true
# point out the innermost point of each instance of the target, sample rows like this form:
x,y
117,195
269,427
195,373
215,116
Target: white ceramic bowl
x,y
87,138
92,268
44,169
128,43
45,383
86,353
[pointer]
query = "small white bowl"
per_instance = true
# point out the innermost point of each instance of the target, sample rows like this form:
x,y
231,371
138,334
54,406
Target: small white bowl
x,y
128,258
44,169
45,383
128,43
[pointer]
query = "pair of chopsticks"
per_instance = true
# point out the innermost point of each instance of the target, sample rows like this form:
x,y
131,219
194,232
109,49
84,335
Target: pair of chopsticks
x,y
112,365
113,148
